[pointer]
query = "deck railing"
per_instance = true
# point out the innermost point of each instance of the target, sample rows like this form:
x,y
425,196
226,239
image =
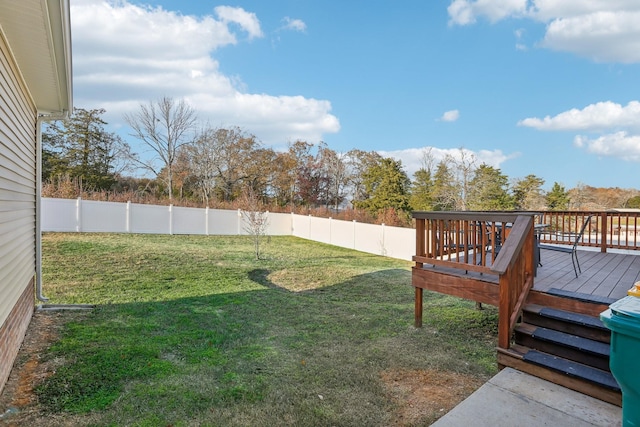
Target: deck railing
x,y
499,244
457,251
606,230
515,269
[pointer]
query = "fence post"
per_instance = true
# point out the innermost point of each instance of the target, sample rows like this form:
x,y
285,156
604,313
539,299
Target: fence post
x,y
206,220
330,231
354,234
79,214
383,250
239,221
170,219
269,224
128,219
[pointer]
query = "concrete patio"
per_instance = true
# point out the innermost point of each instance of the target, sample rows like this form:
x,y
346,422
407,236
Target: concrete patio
x,y
515,398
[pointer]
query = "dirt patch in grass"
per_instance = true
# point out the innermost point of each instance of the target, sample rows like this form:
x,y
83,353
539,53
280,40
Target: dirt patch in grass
x,y
18,402
423,396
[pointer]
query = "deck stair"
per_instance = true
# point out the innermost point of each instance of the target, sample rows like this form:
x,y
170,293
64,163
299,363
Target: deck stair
x,y
565,347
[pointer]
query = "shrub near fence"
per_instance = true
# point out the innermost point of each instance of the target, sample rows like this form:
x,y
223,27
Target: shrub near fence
x,y
77,215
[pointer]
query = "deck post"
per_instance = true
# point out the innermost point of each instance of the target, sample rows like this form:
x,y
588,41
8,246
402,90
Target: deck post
x,y
420,239
504,332
418,308
603,232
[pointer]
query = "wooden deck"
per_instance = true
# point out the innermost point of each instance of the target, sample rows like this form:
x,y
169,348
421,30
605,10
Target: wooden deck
x,y
608,274
548,323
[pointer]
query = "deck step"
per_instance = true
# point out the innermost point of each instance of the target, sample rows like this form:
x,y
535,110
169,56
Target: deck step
x,y
568,346
573,369
565,321
584,379
567,340
581,296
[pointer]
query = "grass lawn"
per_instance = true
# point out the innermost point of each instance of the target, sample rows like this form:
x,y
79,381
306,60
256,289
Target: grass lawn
x,y
192,330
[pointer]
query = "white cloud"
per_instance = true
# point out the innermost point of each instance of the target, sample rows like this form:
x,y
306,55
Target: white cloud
x,y
602,30
463,12
247,21
548,10
601,36
599,116
294,24
620,125
619,144
450,116
412,157
125,55
519,33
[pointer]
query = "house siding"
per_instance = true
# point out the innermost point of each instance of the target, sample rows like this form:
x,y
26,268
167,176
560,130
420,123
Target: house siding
x,y
13,330
18,120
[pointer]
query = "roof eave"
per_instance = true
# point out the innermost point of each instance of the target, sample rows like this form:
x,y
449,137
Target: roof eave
x,y
60,44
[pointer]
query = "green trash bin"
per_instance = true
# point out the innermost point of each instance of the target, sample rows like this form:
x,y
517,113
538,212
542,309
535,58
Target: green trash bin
x,y
623,318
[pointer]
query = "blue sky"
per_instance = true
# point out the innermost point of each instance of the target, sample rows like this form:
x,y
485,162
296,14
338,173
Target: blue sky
x,y
533,87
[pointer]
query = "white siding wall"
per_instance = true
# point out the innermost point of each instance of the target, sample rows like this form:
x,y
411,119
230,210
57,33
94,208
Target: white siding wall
x,y
17,184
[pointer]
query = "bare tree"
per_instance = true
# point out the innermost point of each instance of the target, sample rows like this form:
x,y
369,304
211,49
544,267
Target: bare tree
x,y
465,167
203,162
452,180
358,161
422,186
336,173
256,220
427,161
446,190
164,126
234,149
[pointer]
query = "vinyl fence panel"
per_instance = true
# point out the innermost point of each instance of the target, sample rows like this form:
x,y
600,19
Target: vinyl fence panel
x,y
65,215
320,229
343,233
399,242
189,220
149,219
300,226
59,215
103,217
279,224
224,222
368,238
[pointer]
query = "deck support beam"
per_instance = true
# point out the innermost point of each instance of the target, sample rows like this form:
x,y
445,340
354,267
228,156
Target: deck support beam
x,y
418,308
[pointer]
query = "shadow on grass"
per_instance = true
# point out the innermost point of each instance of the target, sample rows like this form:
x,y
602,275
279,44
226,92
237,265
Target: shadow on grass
x,y
263,356
261,277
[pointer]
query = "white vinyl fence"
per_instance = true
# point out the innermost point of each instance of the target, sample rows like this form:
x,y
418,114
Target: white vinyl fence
x,y
68,215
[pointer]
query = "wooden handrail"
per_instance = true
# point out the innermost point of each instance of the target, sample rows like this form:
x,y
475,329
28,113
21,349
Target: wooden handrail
x,y
514,266
460,240
615,229
469,241
467,215
606,230
513,246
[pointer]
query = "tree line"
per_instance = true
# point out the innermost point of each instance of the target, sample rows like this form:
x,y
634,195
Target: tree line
x,y
194,163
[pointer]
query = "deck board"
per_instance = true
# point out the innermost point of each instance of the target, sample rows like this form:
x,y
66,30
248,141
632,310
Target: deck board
x,y
628,278
603,274
607,275
609,272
